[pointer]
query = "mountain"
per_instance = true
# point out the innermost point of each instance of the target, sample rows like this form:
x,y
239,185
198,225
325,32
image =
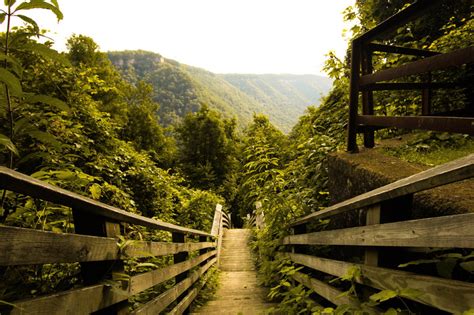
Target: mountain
x,y
180,89
284,96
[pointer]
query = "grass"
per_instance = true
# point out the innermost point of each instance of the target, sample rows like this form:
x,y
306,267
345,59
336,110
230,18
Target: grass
x,y
433,149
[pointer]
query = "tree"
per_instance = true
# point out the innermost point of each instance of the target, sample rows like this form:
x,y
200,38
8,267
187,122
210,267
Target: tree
x,y
205,148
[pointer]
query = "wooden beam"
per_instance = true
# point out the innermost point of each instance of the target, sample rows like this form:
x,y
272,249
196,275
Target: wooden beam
x,y
19,246
454,171
401,50
454,231
149,279
455,58
160,303
24,184
79,301
436,123
325,290
372,217
354,96
445,294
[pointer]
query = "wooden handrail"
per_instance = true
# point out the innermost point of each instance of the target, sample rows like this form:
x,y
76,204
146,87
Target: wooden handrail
x,y
457,170
383,241
21,183
95,247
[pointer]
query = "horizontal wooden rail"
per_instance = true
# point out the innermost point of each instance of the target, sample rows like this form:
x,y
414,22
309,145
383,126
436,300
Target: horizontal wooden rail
x,y
446,124
79,301
455,231
457,170
160,303
411,86
20,183
27,246
401,50
149,279
457,296
439,62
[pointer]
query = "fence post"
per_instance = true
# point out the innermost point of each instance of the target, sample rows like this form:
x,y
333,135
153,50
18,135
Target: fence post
x,y
353,97
367,96
372,217
179,257
426,98
94,272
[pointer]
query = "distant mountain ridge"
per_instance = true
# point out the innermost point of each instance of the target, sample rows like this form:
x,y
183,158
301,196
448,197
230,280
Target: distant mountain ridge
x,y
180,89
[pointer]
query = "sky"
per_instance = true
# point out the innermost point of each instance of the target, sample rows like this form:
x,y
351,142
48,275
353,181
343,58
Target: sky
x,y
222,36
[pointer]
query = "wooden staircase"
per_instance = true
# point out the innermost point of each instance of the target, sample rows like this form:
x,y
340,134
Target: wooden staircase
x,y
239,292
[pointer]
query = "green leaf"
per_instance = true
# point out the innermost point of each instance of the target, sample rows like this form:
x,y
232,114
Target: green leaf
x,y
95,191
15,65
391,311
146,265
40,4
44,137
7,143
383,296
410,293
45,52
468,266
2,17
9,2
419,262
30,21
49,100
11,81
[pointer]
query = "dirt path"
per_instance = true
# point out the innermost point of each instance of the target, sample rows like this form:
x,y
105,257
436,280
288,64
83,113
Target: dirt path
x,y
238,292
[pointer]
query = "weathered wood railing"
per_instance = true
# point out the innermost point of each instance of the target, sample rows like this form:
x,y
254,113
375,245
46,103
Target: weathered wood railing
x,y
387,238
94,245
364,81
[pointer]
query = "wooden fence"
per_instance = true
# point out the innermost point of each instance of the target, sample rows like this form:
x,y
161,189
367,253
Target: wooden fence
x,y
364,81
95,246
387,239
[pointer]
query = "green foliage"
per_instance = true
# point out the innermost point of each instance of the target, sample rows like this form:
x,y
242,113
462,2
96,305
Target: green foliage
x,y
206,148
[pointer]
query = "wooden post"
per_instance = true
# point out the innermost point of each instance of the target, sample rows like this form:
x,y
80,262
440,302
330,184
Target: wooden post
x,y
426,99
353,97
179,257
299,229
367,97
94,272
204,250
372,217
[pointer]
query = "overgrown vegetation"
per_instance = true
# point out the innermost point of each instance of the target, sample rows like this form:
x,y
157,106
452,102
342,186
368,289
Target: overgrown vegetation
x,y
71,119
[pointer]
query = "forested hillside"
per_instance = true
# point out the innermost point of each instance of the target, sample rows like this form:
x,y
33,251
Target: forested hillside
x,y
180,89
284,97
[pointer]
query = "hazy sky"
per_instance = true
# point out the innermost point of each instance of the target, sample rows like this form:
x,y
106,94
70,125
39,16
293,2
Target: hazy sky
x,y
241,36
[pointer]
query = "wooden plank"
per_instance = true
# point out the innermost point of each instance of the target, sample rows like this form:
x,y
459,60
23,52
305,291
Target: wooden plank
x,y
80,301
436,123
160,303
372,217
454,171
439,62
19,246
24,184
448,295
189,298
401,50
323,289
454,231
143,249
216,221
149,279
354,96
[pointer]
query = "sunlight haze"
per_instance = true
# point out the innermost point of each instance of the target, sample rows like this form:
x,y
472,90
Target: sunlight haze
x,y
244,36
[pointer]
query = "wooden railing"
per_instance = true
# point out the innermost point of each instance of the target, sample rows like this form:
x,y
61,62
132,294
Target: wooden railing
x,y
364,81
388,238
95,245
